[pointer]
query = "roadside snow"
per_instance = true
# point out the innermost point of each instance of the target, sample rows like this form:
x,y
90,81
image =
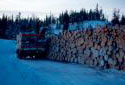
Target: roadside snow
x,y
87,24
43,72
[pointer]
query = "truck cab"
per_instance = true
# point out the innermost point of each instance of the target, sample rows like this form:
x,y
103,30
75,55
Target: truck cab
x,y
30,45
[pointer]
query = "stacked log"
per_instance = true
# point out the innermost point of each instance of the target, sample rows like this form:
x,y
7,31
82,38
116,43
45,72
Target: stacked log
x,y
104,47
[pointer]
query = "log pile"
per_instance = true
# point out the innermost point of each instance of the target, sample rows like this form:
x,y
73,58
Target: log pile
x,y
103,47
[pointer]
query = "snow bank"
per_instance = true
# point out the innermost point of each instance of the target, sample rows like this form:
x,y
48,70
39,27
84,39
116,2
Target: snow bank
x,y
87,24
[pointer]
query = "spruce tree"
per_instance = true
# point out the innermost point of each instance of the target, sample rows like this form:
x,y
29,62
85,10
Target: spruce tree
x,y
122,22
116,17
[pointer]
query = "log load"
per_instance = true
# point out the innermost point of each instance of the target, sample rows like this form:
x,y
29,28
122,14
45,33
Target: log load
x,y
104,47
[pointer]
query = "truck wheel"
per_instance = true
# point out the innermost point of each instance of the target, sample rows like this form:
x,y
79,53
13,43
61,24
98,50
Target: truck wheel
x,y
17,51
20,54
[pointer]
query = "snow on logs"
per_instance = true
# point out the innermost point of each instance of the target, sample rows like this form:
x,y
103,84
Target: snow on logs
x,y
104,48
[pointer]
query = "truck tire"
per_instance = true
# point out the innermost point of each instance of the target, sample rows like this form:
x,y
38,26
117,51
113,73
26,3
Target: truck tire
x,y
20,54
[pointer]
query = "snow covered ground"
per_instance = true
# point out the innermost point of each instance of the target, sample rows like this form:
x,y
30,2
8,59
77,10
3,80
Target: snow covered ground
x,y
43,72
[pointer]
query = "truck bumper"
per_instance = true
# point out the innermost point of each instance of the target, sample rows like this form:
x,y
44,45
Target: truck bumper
x,y
31,54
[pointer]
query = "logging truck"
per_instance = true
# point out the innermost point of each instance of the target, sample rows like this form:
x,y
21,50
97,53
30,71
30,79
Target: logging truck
x,y
31,45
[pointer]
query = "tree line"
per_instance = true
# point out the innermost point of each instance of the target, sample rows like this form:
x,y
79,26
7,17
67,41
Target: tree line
x,y
116,18
10,27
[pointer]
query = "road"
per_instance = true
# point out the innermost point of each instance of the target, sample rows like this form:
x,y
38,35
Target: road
x,y
14,71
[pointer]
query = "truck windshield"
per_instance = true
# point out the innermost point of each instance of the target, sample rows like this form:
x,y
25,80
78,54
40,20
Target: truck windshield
x,y
29,41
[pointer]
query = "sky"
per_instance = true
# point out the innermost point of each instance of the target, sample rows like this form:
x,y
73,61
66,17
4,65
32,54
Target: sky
x,y
42,8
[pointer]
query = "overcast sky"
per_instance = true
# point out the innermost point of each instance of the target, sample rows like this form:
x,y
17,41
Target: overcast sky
x,y
57,6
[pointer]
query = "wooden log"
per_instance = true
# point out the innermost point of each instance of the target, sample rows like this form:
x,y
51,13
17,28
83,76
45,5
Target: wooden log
x,y
96,46
91,62
103,44
71,60
95,52
121,53
79,60
74,51
101,63
110,62
66,59
109,43
72,46
109,52
117,55
120,60
87,52
106,57
95,62
90,44
79,42
76,60
79,49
